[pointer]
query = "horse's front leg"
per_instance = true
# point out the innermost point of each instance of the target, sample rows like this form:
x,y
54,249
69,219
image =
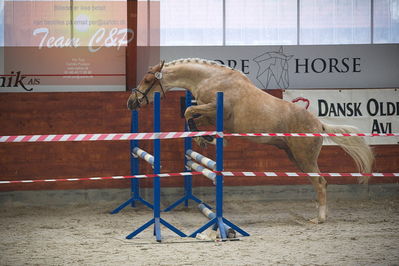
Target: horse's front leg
x,y
202,115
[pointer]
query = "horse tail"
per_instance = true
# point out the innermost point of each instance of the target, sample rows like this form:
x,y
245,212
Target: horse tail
x,y
356,147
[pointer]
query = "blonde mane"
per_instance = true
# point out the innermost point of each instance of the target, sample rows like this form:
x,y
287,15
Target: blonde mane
x,y
201,61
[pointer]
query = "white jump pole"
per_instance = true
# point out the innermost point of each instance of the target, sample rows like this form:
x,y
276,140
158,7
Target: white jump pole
x,y
201,159
143,155
199,168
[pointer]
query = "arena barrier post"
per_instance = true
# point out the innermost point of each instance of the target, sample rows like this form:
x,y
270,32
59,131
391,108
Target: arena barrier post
x,y
156,220
188,183
218,220
134,169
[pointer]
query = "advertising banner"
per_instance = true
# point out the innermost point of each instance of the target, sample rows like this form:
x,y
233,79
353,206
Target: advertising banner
x,y
304,66
370,110
64,46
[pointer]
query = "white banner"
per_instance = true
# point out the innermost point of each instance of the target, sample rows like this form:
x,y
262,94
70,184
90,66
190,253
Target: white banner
x,y
302,66
370,110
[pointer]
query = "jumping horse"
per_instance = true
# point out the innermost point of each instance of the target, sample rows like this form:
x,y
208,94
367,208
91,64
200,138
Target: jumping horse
x,y
247,109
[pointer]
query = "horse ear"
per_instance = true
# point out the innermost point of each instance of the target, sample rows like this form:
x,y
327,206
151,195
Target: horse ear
x,y
161,64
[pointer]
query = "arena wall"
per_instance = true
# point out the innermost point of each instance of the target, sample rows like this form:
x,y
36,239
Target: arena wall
x,y
105,112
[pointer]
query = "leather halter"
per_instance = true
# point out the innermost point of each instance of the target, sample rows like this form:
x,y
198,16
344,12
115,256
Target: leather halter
x,y
158,76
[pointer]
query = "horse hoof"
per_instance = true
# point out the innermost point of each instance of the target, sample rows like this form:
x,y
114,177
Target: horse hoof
x,y
317,221
203,145
208,138
201,142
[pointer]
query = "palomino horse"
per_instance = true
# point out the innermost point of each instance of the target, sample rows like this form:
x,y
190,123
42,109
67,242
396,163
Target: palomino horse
x,y
248,109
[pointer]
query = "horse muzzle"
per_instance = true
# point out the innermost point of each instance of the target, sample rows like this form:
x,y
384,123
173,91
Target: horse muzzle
x,y
133,104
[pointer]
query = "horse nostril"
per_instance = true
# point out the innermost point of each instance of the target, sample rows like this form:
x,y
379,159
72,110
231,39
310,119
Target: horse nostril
x,y
132,104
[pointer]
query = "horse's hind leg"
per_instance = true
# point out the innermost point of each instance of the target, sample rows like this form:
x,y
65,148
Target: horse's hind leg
x,y
304,152
320,185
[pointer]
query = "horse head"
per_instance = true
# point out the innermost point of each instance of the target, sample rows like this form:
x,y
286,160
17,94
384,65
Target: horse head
x,y
144,93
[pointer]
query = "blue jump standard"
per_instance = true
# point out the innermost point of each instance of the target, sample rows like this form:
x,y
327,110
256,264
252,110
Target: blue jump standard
x,y
134,170
157,220
219,220
188,180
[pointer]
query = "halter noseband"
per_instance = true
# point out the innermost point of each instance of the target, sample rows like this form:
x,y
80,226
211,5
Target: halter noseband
x,y
158,76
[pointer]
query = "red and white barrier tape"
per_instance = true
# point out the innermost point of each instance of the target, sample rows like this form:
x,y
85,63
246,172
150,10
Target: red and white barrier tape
x,y
99,178
310,135
99,137
225,173
296,174
171,135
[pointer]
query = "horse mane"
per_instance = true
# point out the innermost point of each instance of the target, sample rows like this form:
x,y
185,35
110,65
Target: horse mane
x,y
202,61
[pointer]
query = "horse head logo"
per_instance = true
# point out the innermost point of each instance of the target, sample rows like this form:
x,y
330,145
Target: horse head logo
x,y
273,66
